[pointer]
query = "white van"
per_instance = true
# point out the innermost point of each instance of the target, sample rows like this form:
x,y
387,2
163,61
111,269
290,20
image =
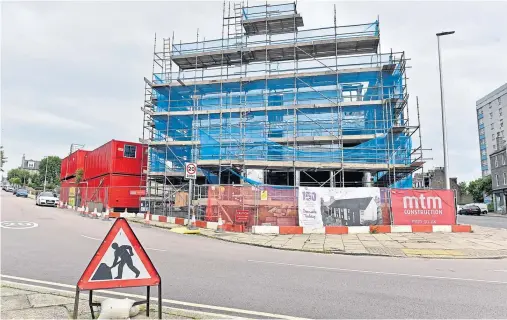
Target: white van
x,y
483,206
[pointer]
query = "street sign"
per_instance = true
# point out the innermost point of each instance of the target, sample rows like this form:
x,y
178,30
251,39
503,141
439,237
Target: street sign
x,y
242,216
190,170
119,262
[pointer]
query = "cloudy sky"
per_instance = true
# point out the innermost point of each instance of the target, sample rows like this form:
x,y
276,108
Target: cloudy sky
x,y
72,72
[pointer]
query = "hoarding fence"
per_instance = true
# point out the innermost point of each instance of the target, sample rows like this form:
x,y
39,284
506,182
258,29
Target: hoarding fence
x,y
265,205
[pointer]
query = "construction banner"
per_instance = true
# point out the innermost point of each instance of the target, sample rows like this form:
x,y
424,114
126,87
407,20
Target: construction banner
x,y
423,207
342,207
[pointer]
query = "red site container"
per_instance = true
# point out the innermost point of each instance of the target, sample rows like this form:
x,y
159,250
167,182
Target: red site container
x,y
114,191
118,157
71,163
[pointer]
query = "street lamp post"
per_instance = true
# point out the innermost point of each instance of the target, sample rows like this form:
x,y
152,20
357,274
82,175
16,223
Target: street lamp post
x,y
442,105
45,175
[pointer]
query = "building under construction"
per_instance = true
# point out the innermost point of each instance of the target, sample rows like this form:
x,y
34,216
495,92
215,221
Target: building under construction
x,y
271,102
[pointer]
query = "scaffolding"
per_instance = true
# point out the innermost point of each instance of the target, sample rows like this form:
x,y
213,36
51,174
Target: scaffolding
x,y
272,103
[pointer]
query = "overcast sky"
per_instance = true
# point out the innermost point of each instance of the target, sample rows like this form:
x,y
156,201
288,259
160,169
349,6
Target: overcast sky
x,y
72,72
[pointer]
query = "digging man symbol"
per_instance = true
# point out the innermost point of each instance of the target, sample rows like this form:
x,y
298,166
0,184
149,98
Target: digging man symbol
x,y
123,256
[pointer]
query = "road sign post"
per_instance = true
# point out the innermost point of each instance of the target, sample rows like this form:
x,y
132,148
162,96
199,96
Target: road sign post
x,y
120,262
191,175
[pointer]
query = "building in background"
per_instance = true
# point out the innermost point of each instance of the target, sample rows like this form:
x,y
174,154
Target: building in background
x,y
30,165
498,160
435,179
274,103
490,121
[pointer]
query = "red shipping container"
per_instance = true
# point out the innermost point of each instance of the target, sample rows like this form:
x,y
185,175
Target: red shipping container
x,y
113,191
71,163
118,157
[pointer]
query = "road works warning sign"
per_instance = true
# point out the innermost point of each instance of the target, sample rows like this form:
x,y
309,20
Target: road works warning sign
x,y
119,262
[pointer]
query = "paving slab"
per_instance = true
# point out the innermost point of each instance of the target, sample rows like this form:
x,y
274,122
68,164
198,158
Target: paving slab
x,y
483,242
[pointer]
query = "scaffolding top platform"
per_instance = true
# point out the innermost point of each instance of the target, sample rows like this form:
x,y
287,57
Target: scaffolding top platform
x,y
270,19
322,42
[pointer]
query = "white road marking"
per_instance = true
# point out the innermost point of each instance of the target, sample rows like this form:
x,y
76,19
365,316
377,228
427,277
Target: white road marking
x,y
115,294
154,249
379,272
18,225
500,270
188,304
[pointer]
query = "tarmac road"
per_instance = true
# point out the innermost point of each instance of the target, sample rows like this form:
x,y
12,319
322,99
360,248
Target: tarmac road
x,y
488,220
212,272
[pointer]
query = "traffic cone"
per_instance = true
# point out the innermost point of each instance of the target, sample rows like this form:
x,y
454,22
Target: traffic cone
x,y
106,215
192,225
220,227
147,219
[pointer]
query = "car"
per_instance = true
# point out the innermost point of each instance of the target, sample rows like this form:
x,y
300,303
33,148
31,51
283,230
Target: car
x,y
46,198
483,206
22,193
9,189
470,209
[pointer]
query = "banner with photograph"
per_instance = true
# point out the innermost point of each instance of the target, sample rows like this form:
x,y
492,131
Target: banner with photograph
x,y
361,206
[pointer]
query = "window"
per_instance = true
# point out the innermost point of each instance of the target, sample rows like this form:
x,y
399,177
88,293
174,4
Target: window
x,y
496,161
129,151
494,147
500,111
503,159
481,131
493,126
493,137
505,178
497,181
491,115
499,100
483,152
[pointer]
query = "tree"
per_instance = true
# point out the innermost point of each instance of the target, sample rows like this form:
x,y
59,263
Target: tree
x,y
53,171
23,175
79,175
463,188
3,158
15,181
480,187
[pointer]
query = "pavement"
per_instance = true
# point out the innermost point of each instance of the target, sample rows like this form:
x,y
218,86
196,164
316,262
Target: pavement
x,y
220,277
23,301
482,243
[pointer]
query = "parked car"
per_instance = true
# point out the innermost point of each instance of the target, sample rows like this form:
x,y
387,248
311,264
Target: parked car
x,y
470,209
46,199
9,189
22,193
483,206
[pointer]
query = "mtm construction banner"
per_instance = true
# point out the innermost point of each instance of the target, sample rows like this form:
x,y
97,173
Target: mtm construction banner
x,y
432,207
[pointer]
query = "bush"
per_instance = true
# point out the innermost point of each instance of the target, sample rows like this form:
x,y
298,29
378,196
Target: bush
x,y
490,207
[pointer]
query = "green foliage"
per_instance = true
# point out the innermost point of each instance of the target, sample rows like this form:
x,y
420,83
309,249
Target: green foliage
x,y
491,207
15,181
53,171
79,175
477,188
3,158
23,176
463,188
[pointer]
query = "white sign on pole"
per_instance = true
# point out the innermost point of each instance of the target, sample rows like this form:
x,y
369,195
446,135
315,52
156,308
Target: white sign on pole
x,y
190,170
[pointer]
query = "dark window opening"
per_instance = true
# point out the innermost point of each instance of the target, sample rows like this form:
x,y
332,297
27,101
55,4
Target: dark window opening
x,y
129,151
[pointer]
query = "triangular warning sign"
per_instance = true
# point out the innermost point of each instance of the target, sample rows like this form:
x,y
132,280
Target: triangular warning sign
x,y
119,262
